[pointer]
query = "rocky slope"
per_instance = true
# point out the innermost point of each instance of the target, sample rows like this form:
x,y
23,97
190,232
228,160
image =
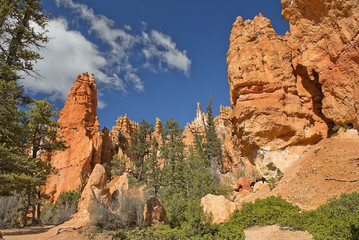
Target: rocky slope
x,y
287,92
87,145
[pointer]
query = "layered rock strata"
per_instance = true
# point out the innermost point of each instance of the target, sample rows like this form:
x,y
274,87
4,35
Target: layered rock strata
x,y
288,92
87,145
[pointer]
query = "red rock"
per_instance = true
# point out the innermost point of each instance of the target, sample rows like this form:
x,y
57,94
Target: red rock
x,y
87,145
154,213
243,184
324,41
275,113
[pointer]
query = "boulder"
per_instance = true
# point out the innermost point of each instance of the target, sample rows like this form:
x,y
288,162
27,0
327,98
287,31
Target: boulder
x,y
95,192
154,213
243,184
219,206
119,183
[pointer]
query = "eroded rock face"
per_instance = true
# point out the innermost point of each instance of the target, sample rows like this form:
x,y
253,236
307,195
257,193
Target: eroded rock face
x,y
325,49
154,213
121,135
95,192
219,206
196,127
87,145
288,92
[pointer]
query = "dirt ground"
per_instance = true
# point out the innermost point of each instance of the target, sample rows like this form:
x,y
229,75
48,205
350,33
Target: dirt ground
x,y
274,232
327,170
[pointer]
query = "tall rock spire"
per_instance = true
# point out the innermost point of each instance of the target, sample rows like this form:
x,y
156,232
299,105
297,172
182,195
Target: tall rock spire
x,y
80,128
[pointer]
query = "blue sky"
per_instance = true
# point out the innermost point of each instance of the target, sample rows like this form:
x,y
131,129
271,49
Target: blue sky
x,y
150,58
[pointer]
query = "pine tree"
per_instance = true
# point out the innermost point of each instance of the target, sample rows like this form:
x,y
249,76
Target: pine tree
x,y
153,167
213,145
172,153
41,140
19,38
140,146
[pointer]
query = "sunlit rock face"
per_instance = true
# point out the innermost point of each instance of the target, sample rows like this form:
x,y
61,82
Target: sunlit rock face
x,y
121,135
325,46
87,145
288,91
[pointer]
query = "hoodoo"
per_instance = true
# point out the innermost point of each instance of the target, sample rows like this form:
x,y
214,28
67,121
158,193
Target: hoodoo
x,y
87,145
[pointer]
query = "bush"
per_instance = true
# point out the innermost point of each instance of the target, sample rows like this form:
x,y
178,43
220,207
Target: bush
x,y
126,211
9,211
60,212
337,219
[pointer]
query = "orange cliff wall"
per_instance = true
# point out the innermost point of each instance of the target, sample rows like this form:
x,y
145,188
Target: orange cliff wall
x,y
287,92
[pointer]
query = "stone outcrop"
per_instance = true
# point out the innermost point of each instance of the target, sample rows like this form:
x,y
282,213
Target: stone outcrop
x,y
95,192
121,135
324,40
87,145
154,213
158,132
219,206
196,127
287,92
119,183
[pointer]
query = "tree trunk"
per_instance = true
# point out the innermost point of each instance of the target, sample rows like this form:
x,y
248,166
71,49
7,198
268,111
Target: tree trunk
x,y
26,207
38,206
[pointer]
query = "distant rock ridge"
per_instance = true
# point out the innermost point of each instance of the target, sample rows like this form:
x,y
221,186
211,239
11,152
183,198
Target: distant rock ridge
x,y
87,145
287,92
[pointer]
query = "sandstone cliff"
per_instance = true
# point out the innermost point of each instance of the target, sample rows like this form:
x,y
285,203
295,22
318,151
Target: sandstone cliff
x,y
87,145
288,92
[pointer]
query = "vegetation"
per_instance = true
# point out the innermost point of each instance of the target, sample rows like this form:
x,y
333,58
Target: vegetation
x,y
60,212
338,219
27,126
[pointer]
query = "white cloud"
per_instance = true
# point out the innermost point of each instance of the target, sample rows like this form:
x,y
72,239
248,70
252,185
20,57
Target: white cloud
x,y
161,46
67,54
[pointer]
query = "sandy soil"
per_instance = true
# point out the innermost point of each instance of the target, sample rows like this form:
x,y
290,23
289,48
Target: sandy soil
x,y
274,232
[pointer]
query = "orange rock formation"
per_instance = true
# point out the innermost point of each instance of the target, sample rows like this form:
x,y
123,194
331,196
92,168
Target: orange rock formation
x,y
87,145
288,92
121,135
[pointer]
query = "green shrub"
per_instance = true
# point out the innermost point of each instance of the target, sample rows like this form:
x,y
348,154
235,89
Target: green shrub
x,y
337,219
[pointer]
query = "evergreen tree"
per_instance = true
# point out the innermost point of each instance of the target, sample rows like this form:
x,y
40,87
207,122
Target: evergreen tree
x,y
153,167
172,153
18,37
140,146
213,144
41,140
